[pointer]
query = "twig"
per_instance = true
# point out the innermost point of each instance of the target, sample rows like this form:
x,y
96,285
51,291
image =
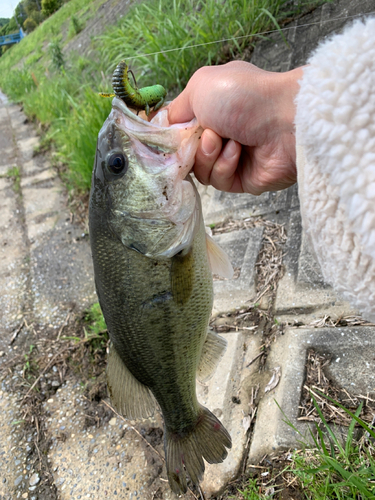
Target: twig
x,y
254,359
43,372
63,325
16,332
135,430
201,493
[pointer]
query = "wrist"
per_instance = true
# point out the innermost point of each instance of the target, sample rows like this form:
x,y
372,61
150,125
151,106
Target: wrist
x,y
286,88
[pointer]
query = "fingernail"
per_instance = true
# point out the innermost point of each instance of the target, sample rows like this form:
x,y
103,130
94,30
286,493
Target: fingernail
x,y
208,144
230,150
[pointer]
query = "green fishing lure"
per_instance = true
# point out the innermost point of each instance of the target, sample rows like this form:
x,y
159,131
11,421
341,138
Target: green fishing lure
x,y
139,99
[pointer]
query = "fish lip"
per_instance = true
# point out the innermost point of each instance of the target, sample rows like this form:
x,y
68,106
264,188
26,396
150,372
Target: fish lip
x,y
121,106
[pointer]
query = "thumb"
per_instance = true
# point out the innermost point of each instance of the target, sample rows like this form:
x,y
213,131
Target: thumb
x,y
180,109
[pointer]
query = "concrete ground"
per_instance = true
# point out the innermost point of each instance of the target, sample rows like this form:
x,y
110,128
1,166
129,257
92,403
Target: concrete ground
x,y
46,271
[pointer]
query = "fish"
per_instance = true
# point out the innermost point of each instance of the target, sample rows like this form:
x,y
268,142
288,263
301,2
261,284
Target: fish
x,y
153,265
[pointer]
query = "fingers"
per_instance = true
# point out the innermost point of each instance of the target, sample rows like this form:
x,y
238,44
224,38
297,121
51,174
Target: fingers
x,y
180,110
216,165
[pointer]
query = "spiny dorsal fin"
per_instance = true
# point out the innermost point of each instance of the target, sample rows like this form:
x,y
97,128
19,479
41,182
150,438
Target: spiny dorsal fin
x,y
130,397
219,260
213,350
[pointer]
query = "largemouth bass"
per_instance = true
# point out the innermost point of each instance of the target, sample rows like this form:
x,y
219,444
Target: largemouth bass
x,y
153,278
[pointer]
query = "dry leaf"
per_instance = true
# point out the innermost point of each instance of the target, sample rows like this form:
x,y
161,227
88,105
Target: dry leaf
x,y
275,379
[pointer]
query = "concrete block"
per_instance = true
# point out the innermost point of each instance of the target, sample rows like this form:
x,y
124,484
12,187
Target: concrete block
x,y
27,146
224,396
302,293
12,453
242,248
34,166
352,367
13,250
111,461
39,177
37,203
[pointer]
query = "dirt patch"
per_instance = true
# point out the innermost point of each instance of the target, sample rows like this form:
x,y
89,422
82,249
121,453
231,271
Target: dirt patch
x,y
35,371
318,381
271,478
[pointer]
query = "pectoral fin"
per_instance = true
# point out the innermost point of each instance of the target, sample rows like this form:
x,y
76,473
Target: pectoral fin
x,y
130,397
219,260
213,350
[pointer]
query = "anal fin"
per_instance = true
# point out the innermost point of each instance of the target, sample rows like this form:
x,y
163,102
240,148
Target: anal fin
x,y
213,350
131,398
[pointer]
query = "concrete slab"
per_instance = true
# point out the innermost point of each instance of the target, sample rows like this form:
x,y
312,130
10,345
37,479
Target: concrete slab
x,y
242,248
107,462
13,448
13,250
62,275
38,177
27,147
304,35
34,166
302,293
352,367
224,396
219,205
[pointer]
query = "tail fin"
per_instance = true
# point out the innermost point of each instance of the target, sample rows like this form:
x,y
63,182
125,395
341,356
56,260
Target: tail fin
x,y
209,440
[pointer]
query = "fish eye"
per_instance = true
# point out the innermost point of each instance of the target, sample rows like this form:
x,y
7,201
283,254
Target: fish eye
x,y
117,163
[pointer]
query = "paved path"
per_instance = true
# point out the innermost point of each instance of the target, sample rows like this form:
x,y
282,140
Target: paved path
x,y
45,271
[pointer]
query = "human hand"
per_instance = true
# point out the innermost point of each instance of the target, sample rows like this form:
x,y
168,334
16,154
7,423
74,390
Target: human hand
x,y
253,111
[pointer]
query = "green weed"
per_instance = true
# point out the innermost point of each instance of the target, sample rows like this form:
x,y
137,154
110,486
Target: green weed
x,y
18,84
333,469
15,175
193,27
75,27
95,329
95,318
28,364
78,135
65,100
56,54
253,491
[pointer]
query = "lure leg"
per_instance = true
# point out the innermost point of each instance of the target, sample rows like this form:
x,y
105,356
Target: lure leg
x,y
159,104
135,81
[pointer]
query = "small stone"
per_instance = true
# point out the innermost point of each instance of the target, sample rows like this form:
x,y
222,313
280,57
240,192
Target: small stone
x,y
18,480
113,421
2,353
50,400
25,495
34,479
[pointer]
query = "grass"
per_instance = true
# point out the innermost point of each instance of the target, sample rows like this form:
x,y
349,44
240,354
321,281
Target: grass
x,y
335,468
157,26
14,175
59,89
331,465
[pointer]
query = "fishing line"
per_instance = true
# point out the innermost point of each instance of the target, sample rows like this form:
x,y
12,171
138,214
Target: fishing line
x,y
248,36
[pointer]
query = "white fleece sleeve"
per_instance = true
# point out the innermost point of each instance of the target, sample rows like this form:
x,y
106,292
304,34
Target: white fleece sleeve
x,y
335,133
